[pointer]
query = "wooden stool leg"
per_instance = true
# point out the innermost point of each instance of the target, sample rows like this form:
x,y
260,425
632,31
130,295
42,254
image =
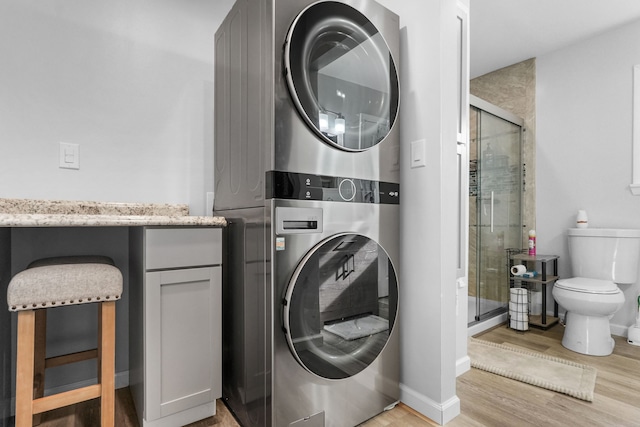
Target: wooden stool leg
x,y
99,347
24,368
40,355
107,361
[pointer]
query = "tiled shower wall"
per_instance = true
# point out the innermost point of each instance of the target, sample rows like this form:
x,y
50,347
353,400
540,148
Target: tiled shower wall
x,y
513,89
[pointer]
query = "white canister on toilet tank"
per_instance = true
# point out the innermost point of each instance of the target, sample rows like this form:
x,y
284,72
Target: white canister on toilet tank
x,y
581,219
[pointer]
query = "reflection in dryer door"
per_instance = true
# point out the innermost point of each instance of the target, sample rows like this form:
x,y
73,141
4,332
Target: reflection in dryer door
x,y
341,75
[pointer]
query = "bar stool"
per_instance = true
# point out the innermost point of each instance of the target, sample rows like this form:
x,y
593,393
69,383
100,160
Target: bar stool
x,y
56,282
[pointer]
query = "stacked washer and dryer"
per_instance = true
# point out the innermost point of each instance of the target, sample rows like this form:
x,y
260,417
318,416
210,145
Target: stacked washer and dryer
x,y
307,175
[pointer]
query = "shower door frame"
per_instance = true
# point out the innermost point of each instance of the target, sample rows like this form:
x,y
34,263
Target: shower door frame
x,y
481,104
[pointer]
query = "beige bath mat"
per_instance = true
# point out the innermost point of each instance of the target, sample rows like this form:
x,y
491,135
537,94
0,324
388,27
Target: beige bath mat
x,y
552,373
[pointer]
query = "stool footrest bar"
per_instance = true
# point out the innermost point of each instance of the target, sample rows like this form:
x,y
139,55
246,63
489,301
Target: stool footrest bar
x,y
52,362
66,398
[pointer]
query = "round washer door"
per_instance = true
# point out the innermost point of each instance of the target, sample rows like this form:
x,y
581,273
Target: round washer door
x,y
340,306
341,76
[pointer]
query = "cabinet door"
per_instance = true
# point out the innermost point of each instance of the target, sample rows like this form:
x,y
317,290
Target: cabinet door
x,y
182,339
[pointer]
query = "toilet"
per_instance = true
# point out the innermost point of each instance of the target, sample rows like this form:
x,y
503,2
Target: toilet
x,y
600,260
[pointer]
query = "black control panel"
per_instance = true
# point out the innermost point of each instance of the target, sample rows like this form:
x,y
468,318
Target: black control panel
x,y
300,186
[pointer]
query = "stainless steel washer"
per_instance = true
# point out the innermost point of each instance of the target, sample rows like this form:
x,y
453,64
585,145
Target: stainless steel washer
x,y
311,303
336,360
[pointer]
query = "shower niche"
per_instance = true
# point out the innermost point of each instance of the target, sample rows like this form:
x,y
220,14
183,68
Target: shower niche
x,y
495,205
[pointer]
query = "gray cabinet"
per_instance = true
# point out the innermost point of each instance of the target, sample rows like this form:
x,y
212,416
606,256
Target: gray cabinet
x,y
175,348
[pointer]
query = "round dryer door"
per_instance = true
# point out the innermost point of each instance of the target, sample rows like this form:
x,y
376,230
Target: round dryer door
x,y
341,76
340,306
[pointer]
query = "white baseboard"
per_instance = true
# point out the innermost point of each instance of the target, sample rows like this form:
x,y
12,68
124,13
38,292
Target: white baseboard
x,y
122,380
441,413
463,364
619,330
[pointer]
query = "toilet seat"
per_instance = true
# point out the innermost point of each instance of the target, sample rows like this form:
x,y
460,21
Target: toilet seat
x,y
588,286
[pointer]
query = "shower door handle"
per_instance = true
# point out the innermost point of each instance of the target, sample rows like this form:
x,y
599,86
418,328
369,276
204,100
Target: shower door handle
x,y
492,211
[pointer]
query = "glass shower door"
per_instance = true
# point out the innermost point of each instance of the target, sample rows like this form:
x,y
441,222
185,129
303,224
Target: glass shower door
x,y
498,208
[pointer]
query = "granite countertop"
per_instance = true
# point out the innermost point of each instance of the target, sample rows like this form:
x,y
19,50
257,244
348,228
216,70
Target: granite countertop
x,y
63,213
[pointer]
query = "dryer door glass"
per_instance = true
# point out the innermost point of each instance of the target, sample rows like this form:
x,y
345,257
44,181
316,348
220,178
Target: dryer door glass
x,y
340,306
341,76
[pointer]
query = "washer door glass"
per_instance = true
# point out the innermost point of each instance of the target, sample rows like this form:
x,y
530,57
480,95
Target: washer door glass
x,y
341,76
340,306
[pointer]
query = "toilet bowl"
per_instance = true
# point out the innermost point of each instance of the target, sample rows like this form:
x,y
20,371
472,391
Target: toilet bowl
x,y
590,303
601,259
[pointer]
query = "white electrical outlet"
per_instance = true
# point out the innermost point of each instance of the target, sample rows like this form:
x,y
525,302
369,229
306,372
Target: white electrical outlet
x,y
209,206
69,156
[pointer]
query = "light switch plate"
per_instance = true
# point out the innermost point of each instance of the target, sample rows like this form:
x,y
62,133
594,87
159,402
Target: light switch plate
x,y
69,156
418,153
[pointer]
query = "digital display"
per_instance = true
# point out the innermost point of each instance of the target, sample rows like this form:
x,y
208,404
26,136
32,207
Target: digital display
x,y
297,186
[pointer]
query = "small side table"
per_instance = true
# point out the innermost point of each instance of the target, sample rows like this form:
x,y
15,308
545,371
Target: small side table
x,y
548,274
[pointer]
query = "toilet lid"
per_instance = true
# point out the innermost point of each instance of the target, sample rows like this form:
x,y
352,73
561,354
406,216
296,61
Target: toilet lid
x,y
591,286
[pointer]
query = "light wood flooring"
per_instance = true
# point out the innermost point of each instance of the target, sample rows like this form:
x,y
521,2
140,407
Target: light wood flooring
x,y
486,399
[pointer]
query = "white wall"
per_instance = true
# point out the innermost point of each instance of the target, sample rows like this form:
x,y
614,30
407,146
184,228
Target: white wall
x,y
584,125
130,82
428,208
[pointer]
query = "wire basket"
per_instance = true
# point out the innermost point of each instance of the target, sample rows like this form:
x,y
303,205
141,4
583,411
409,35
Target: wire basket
x,y
519,309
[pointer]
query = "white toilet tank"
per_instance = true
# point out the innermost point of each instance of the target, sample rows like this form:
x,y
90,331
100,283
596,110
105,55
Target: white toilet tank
x,y
605,253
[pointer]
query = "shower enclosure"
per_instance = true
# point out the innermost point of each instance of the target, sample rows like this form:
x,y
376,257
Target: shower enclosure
x,y
495,205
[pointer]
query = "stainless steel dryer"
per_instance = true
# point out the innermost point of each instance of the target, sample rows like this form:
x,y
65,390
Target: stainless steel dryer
x,y
304,86
311,302
342,80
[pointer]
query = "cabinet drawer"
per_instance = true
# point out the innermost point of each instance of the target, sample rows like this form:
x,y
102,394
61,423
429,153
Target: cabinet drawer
x,y
182,247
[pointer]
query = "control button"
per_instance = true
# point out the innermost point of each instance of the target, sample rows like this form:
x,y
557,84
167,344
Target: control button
x,y
347,190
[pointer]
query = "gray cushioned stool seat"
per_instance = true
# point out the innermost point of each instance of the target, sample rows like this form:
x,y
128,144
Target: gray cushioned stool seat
x,y
59,281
